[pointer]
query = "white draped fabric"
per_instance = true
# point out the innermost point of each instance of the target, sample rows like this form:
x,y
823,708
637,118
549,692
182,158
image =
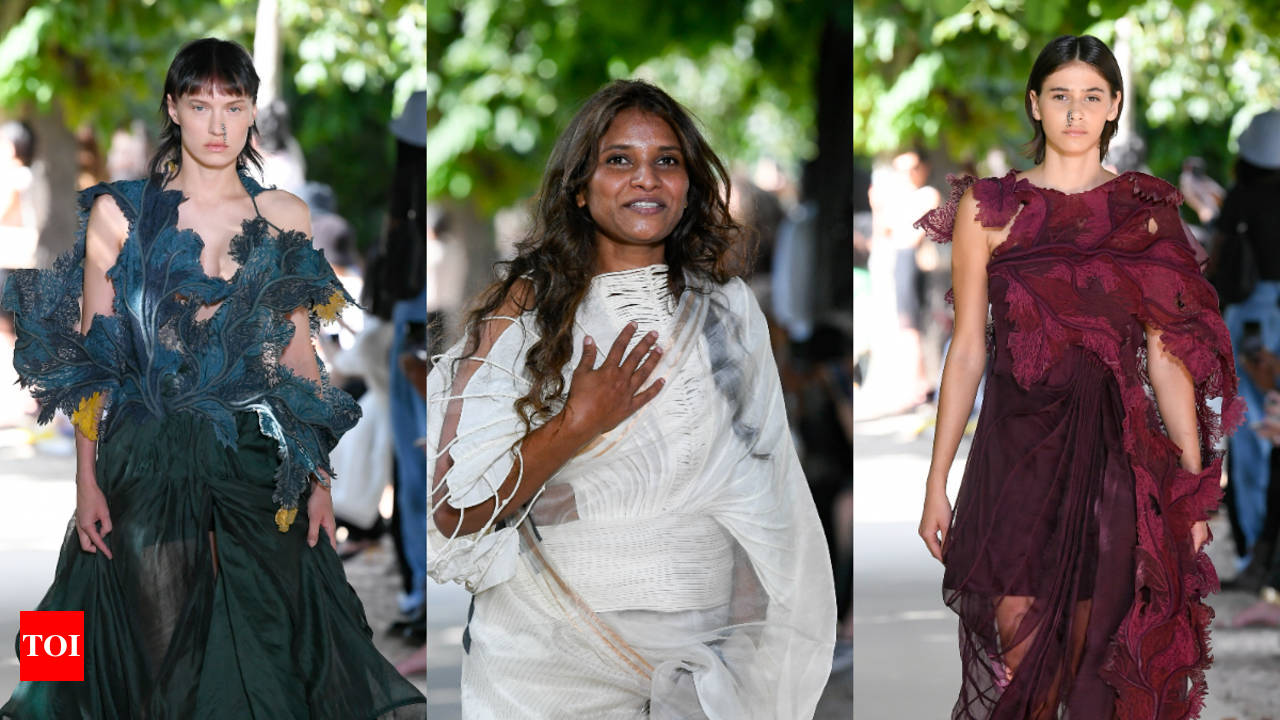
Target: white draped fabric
x,y
676,567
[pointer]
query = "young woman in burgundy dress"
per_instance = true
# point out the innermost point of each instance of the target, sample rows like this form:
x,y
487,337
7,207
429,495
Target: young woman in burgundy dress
x,y
1074,555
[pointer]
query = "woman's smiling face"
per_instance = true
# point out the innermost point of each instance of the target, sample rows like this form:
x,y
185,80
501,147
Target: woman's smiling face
x,y
637,193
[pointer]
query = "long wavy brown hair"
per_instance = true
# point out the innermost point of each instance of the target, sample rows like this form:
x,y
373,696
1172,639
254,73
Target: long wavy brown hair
x,y
558,255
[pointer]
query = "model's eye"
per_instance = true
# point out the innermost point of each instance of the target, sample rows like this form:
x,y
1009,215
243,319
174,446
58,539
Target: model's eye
x,y
669,161
616,160
1095,98
197,107
235,109
1059,96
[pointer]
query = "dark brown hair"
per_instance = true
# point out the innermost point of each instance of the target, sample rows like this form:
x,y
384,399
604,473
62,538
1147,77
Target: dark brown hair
x,y
557,258
204,65
1060,51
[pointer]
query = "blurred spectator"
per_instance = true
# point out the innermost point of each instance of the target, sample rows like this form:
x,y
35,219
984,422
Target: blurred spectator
x,y
283,164
363,457
446,275
129,153
795,262
403,283
19,234
1201,192
1245,268
91,169
896,379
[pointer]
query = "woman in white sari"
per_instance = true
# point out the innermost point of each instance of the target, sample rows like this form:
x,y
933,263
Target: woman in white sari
x,y
632,519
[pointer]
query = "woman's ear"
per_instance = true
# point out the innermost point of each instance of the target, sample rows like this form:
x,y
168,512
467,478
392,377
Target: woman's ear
x,y
173,113
1115,106
1035,107
581,198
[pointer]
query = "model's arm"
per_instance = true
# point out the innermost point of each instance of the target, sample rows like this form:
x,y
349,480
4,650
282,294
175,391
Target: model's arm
x,y
962,372
599,399
1176,399
103,239
289,213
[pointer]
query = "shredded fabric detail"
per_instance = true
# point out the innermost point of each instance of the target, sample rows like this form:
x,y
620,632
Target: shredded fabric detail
x,y
1075,289
154,357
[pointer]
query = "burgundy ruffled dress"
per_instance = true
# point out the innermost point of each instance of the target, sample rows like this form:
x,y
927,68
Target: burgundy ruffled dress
x,y
1069,555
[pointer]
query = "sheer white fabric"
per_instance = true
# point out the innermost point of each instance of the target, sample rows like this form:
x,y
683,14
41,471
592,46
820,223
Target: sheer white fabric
x,y
676,567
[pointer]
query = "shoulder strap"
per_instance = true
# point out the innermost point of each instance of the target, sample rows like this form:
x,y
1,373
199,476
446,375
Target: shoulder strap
x,y
126,193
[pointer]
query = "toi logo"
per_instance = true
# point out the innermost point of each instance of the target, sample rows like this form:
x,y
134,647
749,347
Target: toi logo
x,y
51,645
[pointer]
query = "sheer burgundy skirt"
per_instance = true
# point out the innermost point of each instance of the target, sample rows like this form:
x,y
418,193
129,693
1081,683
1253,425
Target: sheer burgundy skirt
x,y
1039,559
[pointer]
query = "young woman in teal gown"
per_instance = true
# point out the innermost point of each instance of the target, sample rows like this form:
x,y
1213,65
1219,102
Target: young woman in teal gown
x,y
177,335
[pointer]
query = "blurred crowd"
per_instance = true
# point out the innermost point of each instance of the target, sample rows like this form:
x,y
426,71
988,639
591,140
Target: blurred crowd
x,y
377,351
904,321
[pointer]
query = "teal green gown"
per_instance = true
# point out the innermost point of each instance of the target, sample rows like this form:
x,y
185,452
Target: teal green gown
x,y
202,433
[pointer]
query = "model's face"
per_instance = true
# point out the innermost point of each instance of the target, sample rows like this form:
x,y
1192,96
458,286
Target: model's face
x,y
637,193
215,127
1073,106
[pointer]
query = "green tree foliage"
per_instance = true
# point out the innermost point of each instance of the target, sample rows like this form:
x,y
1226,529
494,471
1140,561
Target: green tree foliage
x,y
506,75
951,74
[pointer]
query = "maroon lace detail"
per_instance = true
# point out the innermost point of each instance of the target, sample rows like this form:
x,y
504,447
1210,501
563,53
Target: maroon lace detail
x,y
939,223
1086,270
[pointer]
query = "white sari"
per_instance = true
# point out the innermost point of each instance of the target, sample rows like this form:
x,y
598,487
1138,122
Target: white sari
x,y
676,567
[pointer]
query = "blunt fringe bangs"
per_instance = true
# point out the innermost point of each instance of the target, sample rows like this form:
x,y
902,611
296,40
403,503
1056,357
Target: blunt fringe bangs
x,y
1060,51
207,65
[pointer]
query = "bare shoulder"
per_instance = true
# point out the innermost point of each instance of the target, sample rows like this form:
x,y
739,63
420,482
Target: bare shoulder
x,y
285,210
967,213
519,299
108,226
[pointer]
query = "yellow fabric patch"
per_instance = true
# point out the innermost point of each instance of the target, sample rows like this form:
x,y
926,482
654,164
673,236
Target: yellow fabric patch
x,y
285,518
85,418
329,311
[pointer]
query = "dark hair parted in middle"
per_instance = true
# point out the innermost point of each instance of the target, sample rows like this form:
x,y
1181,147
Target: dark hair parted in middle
x,y
1060,51
205,65
558,256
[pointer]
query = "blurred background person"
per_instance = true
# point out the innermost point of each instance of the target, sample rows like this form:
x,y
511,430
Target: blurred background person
x,y
895,379
19,238
283,163
1246,272
91,166
19,235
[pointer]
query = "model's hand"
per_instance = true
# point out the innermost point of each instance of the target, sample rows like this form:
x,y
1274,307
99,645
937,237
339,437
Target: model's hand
x,y
1199,535
935,521
93,521
320,515
600,399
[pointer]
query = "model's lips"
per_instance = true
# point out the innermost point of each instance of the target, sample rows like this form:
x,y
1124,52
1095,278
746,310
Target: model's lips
x,y
215,147
646,206
1076,132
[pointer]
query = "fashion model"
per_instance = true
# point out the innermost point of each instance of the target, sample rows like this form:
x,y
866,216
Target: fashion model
x,y
613,477
1074,556
177,334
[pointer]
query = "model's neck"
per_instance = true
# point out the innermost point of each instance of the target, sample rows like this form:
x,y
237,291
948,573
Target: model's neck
x,y
1069,174
203,183
613,257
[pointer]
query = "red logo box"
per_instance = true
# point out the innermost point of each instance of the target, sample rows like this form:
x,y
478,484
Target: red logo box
x,y
51,645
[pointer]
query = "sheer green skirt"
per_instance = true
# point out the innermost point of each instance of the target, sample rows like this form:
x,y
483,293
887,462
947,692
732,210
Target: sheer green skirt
x,y
276,632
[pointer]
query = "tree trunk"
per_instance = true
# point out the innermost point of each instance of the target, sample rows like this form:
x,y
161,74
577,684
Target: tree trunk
x,y
834,195
55,184
266,51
